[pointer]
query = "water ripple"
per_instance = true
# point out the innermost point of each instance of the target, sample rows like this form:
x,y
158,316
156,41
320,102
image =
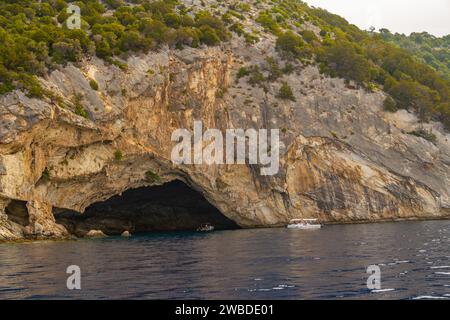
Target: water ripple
x,y
243,264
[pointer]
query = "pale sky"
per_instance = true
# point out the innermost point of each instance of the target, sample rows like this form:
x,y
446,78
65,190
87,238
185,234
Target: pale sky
x,y
403,16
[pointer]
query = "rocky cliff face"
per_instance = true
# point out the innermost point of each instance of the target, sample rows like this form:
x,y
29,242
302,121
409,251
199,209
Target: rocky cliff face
x,y
343,159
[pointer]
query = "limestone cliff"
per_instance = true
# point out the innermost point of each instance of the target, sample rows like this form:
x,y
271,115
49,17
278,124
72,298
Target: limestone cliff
x,y
343,158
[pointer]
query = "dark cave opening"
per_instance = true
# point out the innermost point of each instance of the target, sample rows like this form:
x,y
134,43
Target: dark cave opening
x,y
173,206
17,212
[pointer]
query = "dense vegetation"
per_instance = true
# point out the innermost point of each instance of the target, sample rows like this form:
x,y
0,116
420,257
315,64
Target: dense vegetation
x,y
364,57
35,39
432,50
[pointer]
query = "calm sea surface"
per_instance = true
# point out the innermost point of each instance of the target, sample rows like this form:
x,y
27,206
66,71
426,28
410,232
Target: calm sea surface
x,y
414,258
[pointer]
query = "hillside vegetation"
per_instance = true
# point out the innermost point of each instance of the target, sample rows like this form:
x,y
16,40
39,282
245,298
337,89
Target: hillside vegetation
x,y
36,40
431,50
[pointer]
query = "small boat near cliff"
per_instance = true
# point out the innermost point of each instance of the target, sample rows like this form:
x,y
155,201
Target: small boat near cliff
x,y
305,224
206,227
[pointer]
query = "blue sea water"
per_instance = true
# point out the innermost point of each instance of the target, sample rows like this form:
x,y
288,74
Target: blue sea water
x,y
414,259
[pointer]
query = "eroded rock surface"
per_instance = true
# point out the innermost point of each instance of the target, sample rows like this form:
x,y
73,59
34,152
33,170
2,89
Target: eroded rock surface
x,y
343,158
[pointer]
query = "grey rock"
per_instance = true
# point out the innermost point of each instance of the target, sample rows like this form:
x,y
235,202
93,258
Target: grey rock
x,y
126,234
95,234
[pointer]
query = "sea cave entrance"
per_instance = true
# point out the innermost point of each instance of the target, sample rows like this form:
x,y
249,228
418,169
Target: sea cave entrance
x,y
173,206
17,212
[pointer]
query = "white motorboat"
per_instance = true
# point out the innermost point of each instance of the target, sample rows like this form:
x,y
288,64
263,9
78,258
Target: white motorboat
x,y
306,224
206,227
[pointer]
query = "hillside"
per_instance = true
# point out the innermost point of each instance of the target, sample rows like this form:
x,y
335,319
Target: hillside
x,y
87,114
431,50
35,40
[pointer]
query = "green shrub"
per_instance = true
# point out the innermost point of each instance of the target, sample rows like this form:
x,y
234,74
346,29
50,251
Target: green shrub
x,y
188,36
251,38
256,77
266,20
422,133
443,110
45,175
93,84
412,95
290,44
67,50
390,104
212,28
238,29
343,60
309,36
114,4
121,65
172,20
243,72
288,68
152,177
286,93
118,156
78,107
244,7
134,41
209,36
81,111
274,69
